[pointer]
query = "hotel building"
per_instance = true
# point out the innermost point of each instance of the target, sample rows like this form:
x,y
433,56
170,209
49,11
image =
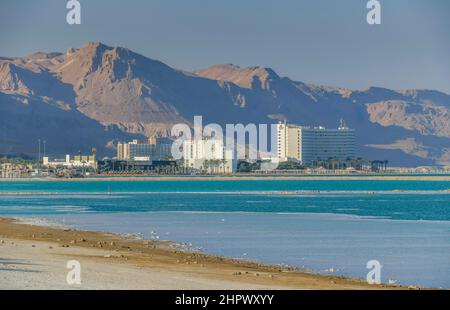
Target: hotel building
x,y
311,144
157,149
123,151
209,155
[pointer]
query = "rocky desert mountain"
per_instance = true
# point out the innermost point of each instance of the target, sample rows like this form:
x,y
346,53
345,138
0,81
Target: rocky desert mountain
x,y
96,95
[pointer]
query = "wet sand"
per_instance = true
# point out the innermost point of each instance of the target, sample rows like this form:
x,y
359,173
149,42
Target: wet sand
x,y
35,257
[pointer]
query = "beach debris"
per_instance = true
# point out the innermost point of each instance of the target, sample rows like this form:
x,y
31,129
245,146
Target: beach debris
x,y
33,246
107,256
50,247
112,243
133,236
2,241
73,242
392,281
237,273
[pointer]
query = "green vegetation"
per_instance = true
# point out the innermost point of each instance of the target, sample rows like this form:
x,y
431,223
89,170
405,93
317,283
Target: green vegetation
x,y
328,164
17,159
291,165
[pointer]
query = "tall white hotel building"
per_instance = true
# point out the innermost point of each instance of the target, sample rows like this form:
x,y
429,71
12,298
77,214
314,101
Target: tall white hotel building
x,y
209,155
310,144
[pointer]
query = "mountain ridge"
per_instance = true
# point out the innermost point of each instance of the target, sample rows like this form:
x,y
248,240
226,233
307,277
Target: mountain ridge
x,y
115,87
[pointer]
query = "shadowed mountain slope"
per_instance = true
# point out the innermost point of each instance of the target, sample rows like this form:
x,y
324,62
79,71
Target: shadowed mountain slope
x,y
114,94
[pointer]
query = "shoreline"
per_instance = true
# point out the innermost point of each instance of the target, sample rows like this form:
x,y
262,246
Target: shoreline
x,y
159,264
275,192
348,177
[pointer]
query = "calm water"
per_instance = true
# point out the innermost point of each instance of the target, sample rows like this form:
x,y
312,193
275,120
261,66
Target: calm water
x,y
222,186
313,224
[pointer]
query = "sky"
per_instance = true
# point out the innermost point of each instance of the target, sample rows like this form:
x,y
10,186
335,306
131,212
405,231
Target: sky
x,y
317,41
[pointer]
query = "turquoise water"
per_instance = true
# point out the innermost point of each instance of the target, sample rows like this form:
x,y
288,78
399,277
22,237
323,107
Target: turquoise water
x,y
318,225
224,186
407,200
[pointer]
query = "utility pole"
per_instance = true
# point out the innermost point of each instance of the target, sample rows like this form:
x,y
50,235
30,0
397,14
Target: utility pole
x,y
45,142
39,159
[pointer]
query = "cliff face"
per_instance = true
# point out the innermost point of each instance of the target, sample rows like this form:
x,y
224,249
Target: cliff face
x,y
112,93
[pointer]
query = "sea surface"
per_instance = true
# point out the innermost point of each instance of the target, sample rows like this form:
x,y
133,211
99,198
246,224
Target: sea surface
x,y
325,226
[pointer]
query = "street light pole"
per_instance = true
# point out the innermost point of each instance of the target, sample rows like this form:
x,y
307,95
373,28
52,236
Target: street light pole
x,y
45,143
39,159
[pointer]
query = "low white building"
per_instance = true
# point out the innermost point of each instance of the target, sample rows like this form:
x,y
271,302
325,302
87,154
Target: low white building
x,y
13,170
208,155
77,161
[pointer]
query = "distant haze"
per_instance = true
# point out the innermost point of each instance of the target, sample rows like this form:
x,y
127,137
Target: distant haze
x,y
319,41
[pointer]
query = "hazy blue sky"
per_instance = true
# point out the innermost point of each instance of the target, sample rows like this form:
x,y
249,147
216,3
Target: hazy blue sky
x,y
319,41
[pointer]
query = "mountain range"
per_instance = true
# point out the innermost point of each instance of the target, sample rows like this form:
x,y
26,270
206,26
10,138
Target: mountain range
x,y
97,95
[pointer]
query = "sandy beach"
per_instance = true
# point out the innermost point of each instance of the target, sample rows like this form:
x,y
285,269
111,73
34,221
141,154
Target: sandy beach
x,y
35,257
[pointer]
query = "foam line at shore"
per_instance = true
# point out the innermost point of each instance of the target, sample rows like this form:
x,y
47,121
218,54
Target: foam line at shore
x,y
310,193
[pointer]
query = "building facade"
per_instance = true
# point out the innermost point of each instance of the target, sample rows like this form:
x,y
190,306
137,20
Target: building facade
x,y
14,171
163,149
156,149
207,155
141,151
310,145
288,142
123,151
320,144
77,161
